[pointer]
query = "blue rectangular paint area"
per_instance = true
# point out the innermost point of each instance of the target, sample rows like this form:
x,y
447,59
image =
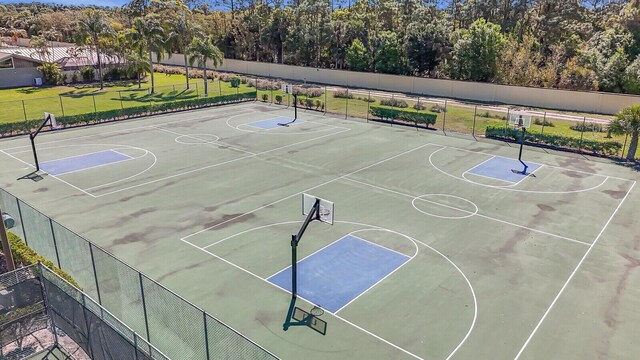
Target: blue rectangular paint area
x,y
340,272
500,168
273,123
82,162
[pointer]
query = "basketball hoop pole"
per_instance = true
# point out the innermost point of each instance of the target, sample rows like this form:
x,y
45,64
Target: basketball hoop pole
x,y
295,107
524,130
314,214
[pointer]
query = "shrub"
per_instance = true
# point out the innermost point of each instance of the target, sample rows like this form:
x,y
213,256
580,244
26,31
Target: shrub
x,y
437,109
394,103
591,127
24,256
404,115
74,77
51,74
114,73
308,91
566,142
342,94
419,106
265,97
279,99
543,122
235,82
88,73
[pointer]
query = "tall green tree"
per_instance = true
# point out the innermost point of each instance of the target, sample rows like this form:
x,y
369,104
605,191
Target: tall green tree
x,y
148,37
475,52
92,26
627,122
388,57
203,50
357,56
183,31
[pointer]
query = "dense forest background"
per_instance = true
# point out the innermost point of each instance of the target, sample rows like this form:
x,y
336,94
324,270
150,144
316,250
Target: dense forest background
x,y
568,44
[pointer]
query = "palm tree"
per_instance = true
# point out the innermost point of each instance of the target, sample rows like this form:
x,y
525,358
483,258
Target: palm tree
x,y
147,36
627,122
183,31
201,50
92,26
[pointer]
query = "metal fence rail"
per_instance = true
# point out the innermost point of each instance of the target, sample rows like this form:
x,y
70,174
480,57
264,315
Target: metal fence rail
x,y
180,329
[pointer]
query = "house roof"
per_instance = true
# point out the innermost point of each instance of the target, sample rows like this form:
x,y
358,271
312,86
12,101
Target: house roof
x,y
5,55
64,56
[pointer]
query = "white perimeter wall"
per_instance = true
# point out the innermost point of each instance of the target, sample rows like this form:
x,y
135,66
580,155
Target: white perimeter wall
x,y
591,102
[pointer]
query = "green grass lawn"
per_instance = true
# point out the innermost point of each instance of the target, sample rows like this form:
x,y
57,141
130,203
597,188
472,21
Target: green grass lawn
x,y
87,98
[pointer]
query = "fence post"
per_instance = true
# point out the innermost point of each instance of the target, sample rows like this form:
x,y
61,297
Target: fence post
x,y
325,100
95,273
506,121
24,111
206,335
473,129
626,136
219,86
95,109
144,307
24,233
47,305
544,121
256,83
120,97
368,105
444,117
197,91
174,88
86,322
55,244
346,108
61,107
584,119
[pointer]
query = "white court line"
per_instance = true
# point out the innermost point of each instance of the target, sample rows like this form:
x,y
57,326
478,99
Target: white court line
x,y
511,183
573,273
469,212
53,176
131,129
547,165
409,258
306,190
484,162
505,188
91,167
118,152
204,140
373,227
217,164
72,156
380,246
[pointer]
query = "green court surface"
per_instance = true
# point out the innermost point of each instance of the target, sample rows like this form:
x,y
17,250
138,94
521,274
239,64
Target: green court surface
x,y
545,267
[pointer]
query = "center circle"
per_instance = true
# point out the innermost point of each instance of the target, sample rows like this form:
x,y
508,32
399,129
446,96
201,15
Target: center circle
x,y
444,206
196,139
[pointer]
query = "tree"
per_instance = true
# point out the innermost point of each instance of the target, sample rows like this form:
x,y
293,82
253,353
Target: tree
x,y
356,56
92,25
148,36
183,30
201,50
519,63
475,52
632,77
425,44
627,122
389,56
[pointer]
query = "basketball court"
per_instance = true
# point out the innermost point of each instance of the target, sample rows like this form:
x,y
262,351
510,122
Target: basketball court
x,y
435,247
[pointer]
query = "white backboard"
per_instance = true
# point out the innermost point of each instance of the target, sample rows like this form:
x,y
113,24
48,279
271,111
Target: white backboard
x,y
326,207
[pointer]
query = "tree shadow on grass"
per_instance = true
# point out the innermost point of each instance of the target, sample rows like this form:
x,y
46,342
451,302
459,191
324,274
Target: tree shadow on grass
x,y
160,97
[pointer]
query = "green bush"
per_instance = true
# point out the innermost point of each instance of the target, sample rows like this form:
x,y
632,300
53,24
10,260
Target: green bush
x,y
342,94
543,122
596,147
51,74
88,73
279,99
394,102
25,256
418,106
150,108
235,82
265,97
590,127
403,115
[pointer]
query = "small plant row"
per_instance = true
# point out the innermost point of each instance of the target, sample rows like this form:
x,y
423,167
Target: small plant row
x,y
308,91
22,127
589,127
403,115
607,148
25,256
543,122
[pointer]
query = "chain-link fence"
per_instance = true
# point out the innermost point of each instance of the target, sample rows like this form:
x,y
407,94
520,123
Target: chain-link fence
x,y
560,131
154,313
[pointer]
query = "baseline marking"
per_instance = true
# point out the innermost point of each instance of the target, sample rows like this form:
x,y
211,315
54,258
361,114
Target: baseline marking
x,y
573,273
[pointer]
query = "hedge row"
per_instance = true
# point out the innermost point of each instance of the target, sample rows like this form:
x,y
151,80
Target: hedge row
x,y
25,256
404,115
558,141
118,114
